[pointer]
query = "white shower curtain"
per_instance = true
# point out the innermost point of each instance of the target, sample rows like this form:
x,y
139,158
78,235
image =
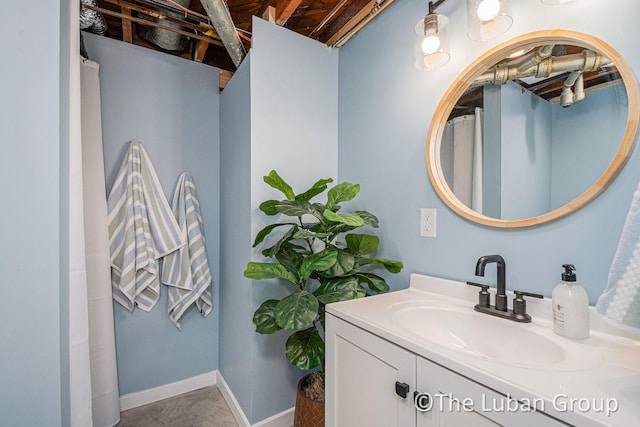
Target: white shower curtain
x,y
104,379
461,158
79,363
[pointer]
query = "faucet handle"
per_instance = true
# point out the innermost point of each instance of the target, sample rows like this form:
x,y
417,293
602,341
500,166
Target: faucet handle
x,y
527,294
483,295
520,305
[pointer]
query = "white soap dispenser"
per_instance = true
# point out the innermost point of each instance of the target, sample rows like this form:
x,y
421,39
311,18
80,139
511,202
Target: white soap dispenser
x,y
570,307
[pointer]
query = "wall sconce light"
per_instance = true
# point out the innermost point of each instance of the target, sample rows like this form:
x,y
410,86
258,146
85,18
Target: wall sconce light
x,y
431,40
487,19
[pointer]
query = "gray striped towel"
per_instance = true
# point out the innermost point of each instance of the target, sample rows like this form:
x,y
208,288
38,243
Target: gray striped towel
x,y
186,271
142,229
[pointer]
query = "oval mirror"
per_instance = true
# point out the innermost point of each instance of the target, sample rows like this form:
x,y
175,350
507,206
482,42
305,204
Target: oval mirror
x,y
533,130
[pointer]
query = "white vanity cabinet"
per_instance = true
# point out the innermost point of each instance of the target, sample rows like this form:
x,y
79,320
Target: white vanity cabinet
x,y
366,376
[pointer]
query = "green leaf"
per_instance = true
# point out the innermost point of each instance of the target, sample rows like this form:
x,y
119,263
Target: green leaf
x,y
315,189
342,289
343,228
341,193
266,231
318,262
268,270
296,311
319,207
308,234
375,282
305,349
351,219
369,219
269,207
344,264
274,180
294,207
290,258
284,239
362,243
390,265
264,318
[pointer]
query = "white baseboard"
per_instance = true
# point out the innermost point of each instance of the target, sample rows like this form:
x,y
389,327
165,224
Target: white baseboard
x,y
139,398
236,410
283,419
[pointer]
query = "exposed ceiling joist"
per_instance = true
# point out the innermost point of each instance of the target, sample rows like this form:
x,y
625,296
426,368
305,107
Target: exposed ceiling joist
x,y
284,10
127,33
358,21
332,22
154,24
338,8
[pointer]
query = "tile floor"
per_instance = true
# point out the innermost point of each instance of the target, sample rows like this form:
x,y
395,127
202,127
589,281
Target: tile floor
x,y
199,408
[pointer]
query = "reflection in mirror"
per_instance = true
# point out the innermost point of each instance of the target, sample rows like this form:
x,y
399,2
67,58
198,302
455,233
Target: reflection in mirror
x,y
533,131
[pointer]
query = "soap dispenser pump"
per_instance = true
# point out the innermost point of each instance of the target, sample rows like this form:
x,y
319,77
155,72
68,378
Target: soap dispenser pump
x,y
570,307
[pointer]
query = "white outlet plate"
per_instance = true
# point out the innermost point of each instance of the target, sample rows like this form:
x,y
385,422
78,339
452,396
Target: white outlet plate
x,y
428,222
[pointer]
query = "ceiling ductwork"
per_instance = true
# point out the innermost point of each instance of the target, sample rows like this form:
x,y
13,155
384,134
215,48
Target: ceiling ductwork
x,y
220,16
166,39
90,19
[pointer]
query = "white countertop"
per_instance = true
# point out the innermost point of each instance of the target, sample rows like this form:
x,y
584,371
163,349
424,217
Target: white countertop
x,y
599,378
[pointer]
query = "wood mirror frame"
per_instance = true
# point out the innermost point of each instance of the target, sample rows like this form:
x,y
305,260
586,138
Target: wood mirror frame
x,y
486,61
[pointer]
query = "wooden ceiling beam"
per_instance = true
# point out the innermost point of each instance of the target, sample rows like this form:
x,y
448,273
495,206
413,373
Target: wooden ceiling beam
x,y
355,7
127,34
330,17
199,50
269,14
154,24
284,10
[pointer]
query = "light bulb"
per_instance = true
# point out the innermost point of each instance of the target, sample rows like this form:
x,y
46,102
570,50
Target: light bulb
x,y
430,44
488,9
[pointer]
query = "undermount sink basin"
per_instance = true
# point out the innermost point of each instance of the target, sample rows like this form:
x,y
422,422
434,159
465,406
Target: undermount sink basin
x,y
481,335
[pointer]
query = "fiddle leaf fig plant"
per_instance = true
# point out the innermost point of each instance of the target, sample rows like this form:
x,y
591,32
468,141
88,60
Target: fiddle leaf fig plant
x,y
320,255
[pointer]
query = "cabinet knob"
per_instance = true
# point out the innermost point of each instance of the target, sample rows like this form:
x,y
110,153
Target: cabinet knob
x,y
402,389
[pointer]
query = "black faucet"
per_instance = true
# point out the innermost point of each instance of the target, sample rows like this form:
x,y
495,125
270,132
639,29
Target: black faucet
x,y
501,291
519,313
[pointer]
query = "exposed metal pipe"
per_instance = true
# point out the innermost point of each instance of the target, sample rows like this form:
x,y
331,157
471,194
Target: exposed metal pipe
x,y
90,19
587,60
220,16
572,95
534,58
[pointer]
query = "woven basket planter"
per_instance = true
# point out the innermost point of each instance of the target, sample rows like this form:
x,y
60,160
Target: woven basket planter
x,y
308,413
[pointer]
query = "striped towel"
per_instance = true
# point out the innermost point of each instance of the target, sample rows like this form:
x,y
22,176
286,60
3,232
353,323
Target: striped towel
x,y
142,229
186,271
620,301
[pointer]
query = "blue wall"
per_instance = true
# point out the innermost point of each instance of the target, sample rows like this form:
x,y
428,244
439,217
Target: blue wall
x,y
386,107
171,106
32,98
583,140
290,107
526,158
294,129
236,328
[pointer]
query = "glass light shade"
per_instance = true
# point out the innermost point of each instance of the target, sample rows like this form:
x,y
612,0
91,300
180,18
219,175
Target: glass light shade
x,y
487,19
431,42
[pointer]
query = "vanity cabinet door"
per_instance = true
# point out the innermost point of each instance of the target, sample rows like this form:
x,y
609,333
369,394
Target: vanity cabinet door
x,y
362,371
456,401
